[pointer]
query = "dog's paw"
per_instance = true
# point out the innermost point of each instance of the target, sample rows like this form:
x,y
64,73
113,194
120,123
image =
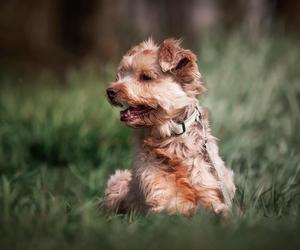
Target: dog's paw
x,y
117,189
221,209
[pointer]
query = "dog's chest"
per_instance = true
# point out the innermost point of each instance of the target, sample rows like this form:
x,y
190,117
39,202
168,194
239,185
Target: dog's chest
x,y
186,155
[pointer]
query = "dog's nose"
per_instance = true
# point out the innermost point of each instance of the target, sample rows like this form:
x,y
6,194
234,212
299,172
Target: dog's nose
x,y
111,93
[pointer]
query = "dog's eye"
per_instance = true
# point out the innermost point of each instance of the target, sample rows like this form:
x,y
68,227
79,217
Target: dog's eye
x,y
145,77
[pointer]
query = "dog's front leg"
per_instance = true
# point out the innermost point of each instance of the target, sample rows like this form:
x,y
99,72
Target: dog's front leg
x,y
162,193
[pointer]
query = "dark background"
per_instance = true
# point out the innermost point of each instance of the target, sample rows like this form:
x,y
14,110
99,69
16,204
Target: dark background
x,y
58,34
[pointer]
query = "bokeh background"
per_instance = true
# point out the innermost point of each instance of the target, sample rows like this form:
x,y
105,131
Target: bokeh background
x,y
60,139
57,34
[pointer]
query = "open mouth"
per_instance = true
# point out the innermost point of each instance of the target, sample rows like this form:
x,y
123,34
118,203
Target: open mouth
x,y
134,112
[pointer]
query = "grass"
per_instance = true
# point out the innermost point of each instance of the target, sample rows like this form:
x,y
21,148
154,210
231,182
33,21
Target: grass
x,y
59,144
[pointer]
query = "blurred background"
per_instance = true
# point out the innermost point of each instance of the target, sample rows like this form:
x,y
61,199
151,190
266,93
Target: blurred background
x,y
58,34
60,140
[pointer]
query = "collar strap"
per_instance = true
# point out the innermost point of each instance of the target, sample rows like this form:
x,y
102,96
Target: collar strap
x,y
180,128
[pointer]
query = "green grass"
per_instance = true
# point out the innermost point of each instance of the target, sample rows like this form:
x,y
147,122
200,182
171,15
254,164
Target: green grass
x,y
59,144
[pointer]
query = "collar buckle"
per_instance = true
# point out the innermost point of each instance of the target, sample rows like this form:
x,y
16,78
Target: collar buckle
x,y
183,126
183,129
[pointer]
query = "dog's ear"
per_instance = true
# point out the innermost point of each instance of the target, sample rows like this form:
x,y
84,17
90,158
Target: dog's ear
x,y
182,63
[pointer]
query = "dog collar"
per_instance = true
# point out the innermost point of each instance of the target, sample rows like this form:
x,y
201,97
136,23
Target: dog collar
x,y
181,127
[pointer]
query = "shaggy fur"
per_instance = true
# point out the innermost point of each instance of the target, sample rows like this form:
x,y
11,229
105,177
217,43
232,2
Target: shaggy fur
x,y
170,173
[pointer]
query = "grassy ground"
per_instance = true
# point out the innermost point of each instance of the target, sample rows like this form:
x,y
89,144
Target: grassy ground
x,y
58,145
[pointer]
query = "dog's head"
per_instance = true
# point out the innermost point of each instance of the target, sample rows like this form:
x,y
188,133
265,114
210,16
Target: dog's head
x,y
155,83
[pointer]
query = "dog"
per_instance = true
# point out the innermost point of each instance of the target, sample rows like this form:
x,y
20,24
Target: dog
x,y
177,167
